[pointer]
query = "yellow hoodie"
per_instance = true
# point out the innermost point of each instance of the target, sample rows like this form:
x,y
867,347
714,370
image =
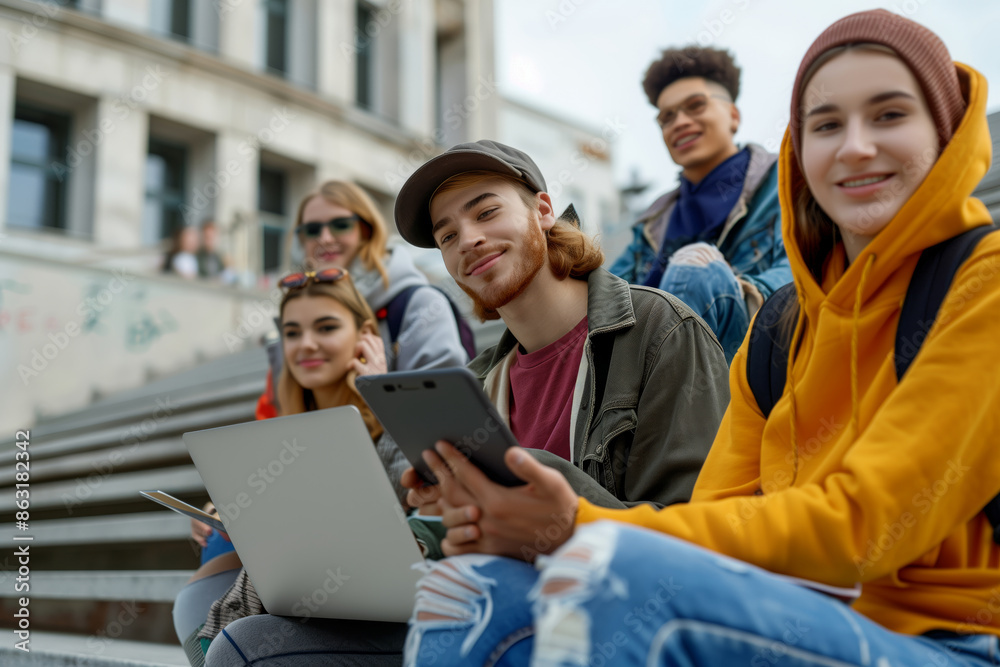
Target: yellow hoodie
x,y
873,481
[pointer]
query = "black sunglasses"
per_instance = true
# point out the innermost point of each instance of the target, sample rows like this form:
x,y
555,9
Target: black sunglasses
x,y
337,226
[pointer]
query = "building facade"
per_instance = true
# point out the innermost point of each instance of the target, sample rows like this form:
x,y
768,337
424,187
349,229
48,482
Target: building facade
x,y
124,121
576,160
130,119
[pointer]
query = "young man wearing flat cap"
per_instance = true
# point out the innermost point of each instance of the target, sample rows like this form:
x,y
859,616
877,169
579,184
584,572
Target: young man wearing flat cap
x,y
620,387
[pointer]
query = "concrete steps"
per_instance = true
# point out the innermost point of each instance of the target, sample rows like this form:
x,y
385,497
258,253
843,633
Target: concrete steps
x,y
53,649
99,549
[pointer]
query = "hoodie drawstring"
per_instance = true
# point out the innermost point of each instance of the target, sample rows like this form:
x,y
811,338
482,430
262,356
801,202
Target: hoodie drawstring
x,y
855,401
792,412
855,327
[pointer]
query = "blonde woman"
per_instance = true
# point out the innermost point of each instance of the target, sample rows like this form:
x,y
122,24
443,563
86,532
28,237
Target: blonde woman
x,y
339,226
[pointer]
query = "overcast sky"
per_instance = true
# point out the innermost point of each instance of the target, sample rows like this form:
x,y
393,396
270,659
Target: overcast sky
x,y
584,59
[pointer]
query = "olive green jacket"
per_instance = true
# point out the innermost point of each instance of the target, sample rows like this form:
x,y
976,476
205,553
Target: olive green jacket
x,y
651,389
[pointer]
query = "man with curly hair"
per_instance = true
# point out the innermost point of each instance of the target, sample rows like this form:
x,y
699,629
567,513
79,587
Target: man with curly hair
x,y
714,241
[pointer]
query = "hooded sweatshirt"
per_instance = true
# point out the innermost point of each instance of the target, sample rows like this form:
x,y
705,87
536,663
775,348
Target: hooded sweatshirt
x,y
428,335
856,477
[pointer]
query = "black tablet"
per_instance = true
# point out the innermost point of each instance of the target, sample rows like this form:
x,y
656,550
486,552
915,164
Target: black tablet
x,y
418,408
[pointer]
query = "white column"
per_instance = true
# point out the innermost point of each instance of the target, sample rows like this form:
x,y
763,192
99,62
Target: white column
x,y
119,186
481,90
238,32
132,13
336,63
417,40
7,97
236,203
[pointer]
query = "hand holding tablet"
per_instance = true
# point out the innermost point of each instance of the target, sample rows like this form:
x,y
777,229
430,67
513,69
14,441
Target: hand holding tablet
x,y
418,408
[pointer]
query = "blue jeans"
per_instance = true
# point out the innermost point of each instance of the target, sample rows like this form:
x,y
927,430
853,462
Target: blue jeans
x,y
715,295
216,546
620,595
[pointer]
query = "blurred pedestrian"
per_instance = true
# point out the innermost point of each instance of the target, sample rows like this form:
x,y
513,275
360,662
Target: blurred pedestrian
x,y
181,259
211,262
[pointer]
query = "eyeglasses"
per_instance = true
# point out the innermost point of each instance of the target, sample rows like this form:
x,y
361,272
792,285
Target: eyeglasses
x,y
302,278
337,226
692,108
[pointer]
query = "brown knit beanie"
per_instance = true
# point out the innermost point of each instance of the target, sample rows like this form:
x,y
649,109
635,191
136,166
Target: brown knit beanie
x,y
919,48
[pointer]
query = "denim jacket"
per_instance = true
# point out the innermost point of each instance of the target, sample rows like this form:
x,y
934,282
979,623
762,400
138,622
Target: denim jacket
x,y
651,389
750,240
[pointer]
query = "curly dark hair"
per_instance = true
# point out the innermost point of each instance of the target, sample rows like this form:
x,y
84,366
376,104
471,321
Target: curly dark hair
x,y
712,64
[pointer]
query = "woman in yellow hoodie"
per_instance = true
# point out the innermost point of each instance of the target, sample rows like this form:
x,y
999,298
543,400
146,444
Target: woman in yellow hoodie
x,y
853,479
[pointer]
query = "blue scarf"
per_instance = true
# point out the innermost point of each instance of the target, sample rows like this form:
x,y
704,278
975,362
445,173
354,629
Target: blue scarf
x,y
701,210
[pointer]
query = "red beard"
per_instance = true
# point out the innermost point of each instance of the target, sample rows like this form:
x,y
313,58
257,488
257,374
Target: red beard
x,y
496,293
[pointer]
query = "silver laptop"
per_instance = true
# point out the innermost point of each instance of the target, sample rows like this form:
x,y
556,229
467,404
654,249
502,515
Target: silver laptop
x,y
312,515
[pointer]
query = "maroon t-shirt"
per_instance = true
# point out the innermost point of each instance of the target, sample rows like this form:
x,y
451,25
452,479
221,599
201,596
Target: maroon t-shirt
x,y
541,392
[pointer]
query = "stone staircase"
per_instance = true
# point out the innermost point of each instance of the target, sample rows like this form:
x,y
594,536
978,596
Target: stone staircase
x,y
105,564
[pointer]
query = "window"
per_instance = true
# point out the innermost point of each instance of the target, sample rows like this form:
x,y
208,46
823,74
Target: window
x,y
88,6
163,213
271,197
39,144
276,31
287,34
364,54
172,18
196,23
377,60
450,77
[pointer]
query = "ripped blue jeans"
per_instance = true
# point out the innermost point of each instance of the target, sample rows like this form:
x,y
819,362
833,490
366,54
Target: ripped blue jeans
x,y
620,595
714,293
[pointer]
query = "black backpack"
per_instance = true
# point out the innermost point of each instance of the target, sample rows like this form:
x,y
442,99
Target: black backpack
x,y
767,352
393,315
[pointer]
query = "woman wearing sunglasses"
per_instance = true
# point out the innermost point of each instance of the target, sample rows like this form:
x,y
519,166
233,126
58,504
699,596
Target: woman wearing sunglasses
x,y
327,340
338,226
